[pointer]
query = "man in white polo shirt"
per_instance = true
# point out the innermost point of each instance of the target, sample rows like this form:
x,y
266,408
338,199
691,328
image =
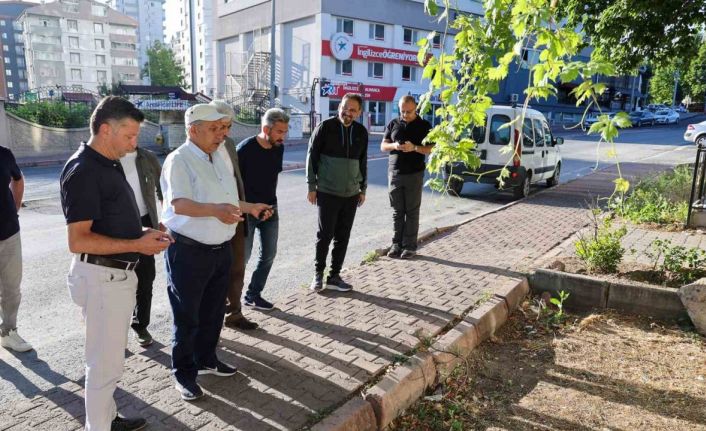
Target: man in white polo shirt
x,y
201,212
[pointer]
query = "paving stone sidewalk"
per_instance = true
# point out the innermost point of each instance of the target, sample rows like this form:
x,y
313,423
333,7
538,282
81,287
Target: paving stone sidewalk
x,y
319,350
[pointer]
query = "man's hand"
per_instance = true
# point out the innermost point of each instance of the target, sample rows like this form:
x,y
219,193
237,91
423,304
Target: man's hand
x,y
407,147
227,213
153,242
361,199
261,211
311,197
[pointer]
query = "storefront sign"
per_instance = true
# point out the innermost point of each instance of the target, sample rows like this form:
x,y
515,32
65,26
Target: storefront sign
x,y
339,48
369,92
163,105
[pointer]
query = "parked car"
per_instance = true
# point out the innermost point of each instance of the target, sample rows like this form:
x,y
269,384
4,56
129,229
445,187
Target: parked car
x,y
535,158
666,116
592,118
680,108
639,118
696,133
656,107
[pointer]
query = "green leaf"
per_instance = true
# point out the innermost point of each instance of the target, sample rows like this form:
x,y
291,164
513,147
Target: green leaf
x,y
430,7
555,301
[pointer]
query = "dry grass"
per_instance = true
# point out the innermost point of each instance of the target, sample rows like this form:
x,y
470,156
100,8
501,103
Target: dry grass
x,y
596,372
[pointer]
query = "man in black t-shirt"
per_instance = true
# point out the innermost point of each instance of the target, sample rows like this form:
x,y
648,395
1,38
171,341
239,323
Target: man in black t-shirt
x,y
12,187
404,139
106,237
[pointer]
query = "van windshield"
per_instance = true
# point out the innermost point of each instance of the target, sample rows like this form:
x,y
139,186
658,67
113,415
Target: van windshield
x,y
499,135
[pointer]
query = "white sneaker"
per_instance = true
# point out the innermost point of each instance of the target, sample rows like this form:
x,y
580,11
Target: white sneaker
x,y
13,341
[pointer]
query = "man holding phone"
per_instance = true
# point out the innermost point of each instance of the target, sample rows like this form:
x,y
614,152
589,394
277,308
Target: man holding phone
x,y
260,158
404,140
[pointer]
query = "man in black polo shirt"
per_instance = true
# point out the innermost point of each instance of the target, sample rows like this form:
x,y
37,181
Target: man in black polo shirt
x,y
12,187
404,138
106,237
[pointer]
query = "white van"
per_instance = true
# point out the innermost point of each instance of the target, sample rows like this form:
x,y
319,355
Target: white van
x,y
537,157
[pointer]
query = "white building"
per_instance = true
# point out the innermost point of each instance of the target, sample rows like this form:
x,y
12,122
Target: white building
x,y
366,46
189,30
149,15
79,43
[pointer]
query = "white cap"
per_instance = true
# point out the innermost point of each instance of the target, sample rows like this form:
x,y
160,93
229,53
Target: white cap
x,y
202,112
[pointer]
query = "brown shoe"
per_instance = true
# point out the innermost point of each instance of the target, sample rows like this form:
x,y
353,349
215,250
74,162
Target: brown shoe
x,y
242,324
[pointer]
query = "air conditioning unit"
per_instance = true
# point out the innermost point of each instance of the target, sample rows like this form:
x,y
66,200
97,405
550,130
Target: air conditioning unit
x,y
514,97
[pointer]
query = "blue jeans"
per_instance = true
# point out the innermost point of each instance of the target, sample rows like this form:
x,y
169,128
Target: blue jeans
x,y
268,231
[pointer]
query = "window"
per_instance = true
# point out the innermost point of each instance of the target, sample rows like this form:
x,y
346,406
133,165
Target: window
x,y
21,74
122,45
72,24
75,58
499,135
102,76
9,84
375,70
409,36
344,67
100,60
76,74
4,35
100,44
530,57
436,42
11,95
7,60
97,27
8,72
376,31
20,62
377,113
539,137
409,73
333,107
2,22
344,26
527,134
5,48
98,10
73,42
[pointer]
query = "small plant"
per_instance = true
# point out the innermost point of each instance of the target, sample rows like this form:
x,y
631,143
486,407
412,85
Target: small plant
x,y
370,257
559,302
677,263
602,251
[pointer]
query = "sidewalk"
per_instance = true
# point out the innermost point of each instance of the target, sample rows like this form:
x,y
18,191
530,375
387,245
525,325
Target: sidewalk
x,y
317,351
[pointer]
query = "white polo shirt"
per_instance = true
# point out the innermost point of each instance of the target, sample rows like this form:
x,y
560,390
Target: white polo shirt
x,y
189,173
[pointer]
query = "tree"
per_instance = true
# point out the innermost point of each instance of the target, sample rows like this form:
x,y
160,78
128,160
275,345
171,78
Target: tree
x,y
113,90
162,66
695,76
662,83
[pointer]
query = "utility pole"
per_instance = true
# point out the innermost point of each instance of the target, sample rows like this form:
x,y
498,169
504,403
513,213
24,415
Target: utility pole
x,y
273,57
676,84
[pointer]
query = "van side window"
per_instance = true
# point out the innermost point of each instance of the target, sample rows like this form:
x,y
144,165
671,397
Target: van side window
x,y
539,133
527,134
478,134
498,135
547,134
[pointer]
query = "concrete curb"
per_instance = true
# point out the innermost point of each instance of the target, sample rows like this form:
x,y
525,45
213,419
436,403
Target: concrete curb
x,y
405,384
588,293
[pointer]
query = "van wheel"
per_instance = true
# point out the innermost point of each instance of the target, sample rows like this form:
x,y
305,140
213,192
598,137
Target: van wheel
x,y
455,186
522,190
554,180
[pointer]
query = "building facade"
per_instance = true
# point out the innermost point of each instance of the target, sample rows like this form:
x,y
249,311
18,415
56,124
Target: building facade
x,y
14,73
190,33
80,44
149,15
363,49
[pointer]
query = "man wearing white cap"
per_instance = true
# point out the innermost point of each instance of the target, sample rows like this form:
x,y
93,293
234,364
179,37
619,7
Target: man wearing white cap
x,y
201,212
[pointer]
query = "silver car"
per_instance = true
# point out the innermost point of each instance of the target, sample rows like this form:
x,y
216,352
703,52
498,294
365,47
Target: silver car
x,y
696,133
666,116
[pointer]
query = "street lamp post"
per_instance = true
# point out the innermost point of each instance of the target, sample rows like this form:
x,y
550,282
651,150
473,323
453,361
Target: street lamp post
x,y
676,84
273,57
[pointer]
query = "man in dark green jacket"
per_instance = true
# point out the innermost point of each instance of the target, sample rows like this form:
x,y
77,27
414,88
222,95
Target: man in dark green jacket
x,y
337,175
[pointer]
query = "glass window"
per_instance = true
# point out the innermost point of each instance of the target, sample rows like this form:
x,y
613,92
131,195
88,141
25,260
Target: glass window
x,y
409,36
5,48
100,60
72,24
478,134
344,26
344,67
527,133
102,75
436,42
409,73
376,70
76,74
97,27
547,134
8,72
75,58
377,113
499,135
9,84
7,60
333,107
538,133
100,44
73,42
530,57
376,31
4,35
2,22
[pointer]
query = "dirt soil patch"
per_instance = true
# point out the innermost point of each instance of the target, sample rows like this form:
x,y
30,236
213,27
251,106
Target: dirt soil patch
x,y
595,372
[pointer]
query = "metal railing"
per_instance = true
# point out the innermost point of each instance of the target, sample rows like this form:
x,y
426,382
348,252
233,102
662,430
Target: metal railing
x,y
696,216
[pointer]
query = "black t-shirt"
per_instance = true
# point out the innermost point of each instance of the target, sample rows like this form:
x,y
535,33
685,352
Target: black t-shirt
x,y
401,131
9,222
259,168
94,187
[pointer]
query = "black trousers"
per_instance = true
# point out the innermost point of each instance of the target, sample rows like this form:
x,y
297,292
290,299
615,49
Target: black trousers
x,y
146,273
336,216
406,200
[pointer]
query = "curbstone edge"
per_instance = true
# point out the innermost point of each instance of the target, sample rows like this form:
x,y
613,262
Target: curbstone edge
x,y
456,344
513,293
355,415
488,317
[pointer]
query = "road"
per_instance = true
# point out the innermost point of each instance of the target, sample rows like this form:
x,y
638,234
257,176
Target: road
x,y
53,324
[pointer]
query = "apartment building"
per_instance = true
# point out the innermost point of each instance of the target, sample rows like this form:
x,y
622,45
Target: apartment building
x,y
14,67
80,44
149,15
190,32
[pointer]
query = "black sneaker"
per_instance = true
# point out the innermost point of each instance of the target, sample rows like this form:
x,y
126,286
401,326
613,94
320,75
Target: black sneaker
x,y
127,424
408,254
189,391
334,282
220,369
395,251
242,323
317,285
144,338
258,303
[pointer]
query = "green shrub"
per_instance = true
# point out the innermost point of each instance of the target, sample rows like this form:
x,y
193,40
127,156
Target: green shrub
x,y
679,264
663,199
54,114
602,251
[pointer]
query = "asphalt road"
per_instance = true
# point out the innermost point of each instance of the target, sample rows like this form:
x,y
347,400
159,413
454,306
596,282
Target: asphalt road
x,y
52,323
